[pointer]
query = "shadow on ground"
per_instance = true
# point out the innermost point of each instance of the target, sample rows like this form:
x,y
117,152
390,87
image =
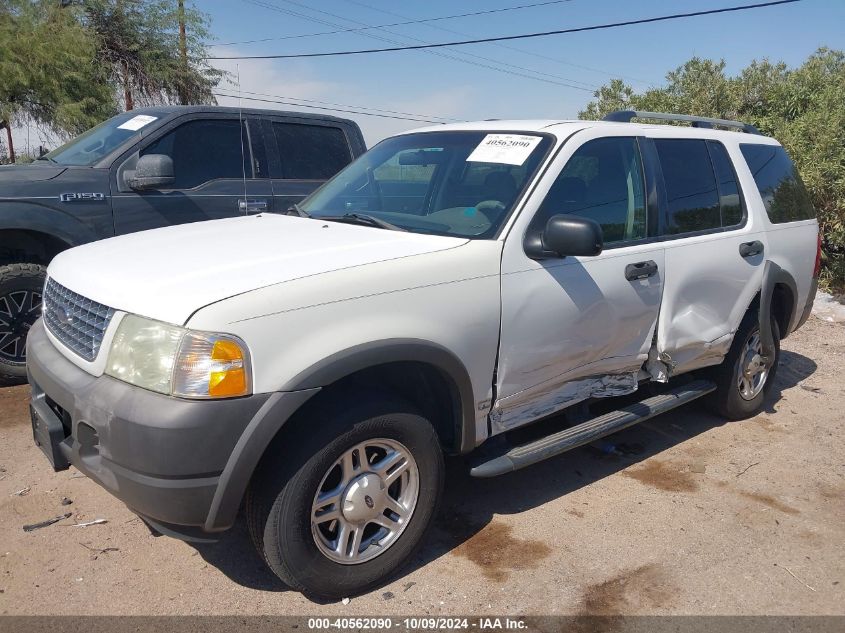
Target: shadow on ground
x,y
469,504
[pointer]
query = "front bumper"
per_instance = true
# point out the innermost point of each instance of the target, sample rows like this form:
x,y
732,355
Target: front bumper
x,y
162,456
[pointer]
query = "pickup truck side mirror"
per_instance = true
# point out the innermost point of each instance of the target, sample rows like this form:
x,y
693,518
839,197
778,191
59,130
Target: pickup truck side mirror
x,y
566,235
153,171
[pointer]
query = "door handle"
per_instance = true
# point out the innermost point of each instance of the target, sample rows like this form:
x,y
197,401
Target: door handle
x,y
252,206
750,249
640,270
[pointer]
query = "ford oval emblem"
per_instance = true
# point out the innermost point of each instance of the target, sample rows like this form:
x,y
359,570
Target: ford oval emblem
x,y
62,314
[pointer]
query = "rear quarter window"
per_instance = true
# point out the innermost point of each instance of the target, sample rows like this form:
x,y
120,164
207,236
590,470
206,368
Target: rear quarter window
x,y
783,193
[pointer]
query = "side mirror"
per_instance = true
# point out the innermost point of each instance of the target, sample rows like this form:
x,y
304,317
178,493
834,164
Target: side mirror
x,y
566,235
153,171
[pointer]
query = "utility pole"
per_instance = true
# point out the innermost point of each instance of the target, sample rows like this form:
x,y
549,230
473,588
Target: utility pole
x,y
6,124
183,51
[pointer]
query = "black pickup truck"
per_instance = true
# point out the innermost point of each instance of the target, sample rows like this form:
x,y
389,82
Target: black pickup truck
x,y
149,168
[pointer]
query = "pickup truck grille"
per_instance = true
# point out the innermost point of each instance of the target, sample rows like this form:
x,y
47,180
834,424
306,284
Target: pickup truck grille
x,y
76,321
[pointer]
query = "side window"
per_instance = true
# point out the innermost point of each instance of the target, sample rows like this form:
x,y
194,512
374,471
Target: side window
x,y
693,199
204,150
603,181
780,186
311,152
729,196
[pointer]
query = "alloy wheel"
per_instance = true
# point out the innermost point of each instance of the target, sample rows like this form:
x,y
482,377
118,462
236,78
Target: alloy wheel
x,y
365,501
19,309
753,368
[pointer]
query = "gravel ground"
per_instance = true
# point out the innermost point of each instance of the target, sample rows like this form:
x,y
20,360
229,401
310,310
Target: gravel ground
x,y
709,517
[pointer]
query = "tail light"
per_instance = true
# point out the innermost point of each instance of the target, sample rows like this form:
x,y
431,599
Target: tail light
x,y
818,267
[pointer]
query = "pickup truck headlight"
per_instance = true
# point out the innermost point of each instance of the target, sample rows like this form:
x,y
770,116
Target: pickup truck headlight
x,y
175,361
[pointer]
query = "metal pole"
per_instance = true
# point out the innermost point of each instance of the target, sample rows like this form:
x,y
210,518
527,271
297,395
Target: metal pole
x,y
183,51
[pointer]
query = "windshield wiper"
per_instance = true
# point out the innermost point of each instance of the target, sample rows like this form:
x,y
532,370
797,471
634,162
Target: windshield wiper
x,y
295,209
363,219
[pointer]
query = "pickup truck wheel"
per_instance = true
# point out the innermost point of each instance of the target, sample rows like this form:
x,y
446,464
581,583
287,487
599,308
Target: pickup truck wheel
x,y
359,502
21,286
745,376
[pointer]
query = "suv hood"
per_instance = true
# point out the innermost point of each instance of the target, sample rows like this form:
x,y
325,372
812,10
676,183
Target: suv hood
x,y
170,273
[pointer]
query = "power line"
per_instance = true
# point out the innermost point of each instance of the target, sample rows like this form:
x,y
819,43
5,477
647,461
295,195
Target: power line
x,y
426,117
315,107
381,26
522,36
520,72
560,81
506,47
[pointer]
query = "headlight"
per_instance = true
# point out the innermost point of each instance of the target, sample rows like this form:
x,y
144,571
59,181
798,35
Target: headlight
x,y
175,361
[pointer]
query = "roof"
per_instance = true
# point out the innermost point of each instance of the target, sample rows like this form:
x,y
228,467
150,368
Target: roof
x,y
168,110
564,127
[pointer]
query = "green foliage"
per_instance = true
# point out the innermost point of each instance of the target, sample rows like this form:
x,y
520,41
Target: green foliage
x,y
138,47
69,67
804,108
47,70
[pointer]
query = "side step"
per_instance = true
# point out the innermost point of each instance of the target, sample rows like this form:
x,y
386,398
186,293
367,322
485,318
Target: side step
x,y
586,432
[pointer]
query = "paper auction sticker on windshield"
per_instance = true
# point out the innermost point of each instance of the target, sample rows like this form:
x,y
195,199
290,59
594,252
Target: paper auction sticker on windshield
x,y
508,149
137,122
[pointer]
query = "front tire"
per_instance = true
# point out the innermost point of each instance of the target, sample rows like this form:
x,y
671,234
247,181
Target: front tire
x,y
745,378
357,500
21,286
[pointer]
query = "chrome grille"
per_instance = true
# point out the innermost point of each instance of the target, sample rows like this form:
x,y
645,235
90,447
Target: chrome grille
x,y
76,321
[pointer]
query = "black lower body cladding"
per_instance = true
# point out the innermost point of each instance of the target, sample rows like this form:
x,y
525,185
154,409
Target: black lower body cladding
x,y
169,459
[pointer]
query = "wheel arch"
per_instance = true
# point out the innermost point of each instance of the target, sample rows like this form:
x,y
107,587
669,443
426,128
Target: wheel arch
x,y
441,373
27,246
374,360
48,231
778,298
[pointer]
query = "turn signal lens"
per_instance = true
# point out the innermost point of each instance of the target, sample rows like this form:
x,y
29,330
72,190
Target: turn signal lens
x,y
230,379
211,366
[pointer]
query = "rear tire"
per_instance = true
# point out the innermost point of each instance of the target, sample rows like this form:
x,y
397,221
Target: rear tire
x,y
21,286
735,398
306,553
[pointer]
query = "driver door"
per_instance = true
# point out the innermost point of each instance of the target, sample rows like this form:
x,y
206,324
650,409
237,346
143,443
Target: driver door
x,y
220,172
575,328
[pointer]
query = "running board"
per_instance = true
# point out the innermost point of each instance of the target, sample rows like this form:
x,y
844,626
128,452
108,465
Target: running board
x,y
586,432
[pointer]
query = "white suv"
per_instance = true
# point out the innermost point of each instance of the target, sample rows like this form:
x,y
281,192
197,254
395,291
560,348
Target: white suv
x,y
449,286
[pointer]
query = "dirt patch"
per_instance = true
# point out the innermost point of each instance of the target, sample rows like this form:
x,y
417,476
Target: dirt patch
x,y
643,588
769,501
831,492
767,425
498,553
13,403
575,513
666,476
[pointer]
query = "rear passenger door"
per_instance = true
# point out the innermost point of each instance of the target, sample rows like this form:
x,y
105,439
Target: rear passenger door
x,y
714,251
306,154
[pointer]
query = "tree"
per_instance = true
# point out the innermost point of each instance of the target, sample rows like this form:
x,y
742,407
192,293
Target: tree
x,y
804,108
47,74
144,54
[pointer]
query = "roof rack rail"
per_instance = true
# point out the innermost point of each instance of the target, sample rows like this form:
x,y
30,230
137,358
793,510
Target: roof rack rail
x,y
625,116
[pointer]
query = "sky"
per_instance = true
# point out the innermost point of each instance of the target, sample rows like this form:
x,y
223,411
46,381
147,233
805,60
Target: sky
x,y
550,77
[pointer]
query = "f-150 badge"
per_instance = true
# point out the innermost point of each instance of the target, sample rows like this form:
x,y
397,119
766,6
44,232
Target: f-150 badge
x,y
82,197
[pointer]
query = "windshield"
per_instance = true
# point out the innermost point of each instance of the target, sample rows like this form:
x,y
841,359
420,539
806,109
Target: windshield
x,y
462,184
92,146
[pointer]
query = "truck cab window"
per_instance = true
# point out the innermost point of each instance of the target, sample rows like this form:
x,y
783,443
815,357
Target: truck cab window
x,y
311,152
204,150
